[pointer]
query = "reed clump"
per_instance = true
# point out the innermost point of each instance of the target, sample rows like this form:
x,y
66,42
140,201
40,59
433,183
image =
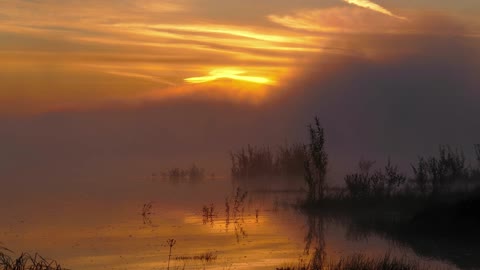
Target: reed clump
x,y
361,262
263,163
379,183
191,174
207,257
26,261
437,177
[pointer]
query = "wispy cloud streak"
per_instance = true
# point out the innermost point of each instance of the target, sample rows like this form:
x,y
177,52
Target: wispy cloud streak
x,y
373,6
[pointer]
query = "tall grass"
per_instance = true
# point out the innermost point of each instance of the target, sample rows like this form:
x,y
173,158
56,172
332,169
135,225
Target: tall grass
x,y
475,173
147,213
262,163
436,175
192,174
170,243
27,262
316,163
360,262
379,183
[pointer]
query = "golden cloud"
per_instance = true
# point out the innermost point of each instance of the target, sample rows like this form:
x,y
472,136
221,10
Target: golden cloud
x,y
375,7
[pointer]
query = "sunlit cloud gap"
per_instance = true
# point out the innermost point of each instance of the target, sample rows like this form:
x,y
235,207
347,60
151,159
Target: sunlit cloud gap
x,y
375,7
233,74
216,29
232,42
230,53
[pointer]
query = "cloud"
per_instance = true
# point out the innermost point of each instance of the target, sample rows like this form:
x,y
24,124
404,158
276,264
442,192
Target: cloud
x,y
90,53
375,7
338,20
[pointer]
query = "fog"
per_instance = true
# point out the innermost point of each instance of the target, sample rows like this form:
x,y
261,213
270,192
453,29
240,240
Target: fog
x,y
392,95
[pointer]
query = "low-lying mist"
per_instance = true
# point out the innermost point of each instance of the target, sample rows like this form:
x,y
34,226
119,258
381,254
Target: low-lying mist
x,y
397,95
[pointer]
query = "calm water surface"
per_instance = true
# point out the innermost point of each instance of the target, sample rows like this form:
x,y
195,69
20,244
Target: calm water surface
x,y
95,226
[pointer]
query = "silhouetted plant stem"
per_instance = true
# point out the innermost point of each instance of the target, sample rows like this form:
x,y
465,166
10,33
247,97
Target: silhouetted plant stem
x,y
170,243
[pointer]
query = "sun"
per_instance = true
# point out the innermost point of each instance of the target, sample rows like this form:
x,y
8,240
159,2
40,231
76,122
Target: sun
x,y
229,73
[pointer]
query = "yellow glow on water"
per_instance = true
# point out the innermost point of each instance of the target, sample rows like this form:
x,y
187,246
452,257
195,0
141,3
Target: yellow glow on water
x,y
234,74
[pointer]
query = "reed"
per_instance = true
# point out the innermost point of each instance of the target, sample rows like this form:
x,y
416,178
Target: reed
x,y
27,262
254,163
191,174
170,243
360,262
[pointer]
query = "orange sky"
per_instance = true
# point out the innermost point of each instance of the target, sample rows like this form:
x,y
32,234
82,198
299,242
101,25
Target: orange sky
x,y
77,54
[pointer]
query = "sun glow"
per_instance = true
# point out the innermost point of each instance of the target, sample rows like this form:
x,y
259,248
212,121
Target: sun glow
x,y
234,74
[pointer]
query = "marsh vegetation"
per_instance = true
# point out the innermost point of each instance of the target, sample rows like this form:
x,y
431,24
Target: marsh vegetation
x,y
255,167
360,262
434,205
26,261
192,174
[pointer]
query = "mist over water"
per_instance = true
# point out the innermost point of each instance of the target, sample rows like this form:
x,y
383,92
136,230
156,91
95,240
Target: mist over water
x,y
90,229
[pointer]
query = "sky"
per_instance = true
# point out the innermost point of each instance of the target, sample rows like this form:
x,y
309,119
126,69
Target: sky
x,y
167,82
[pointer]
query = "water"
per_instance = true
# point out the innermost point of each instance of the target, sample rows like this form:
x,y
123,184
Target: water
x,y
95,226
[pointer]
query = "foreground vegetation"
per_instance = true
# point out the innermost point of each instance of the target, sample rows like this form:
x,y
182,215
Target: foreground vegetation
x,y
433,209
26,261
359,262
441,186
442,177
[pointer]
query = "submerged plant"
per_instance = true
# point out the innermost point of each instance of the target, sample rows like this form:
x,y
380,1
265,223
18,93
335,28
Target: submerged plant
x,y
208,213
238,207
170,243
146,213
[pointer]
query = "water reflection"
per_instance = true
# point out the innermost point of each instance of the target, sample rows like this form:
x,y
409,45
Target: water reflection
x,y
241,229
454,247
315,240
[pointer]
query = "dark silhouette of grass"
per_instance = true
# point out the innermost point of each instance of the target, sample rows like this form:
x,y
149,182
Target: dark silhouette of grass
x,y
193,174
207,257
234,213
380,183
316,163
256,164
147,213
171,243
436,175
25,261
208,213
440,179
360,262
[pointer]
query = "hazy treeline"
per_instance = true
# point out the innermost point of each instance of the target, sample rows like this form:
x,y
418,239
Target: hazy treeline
x,y
447,171
261,163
